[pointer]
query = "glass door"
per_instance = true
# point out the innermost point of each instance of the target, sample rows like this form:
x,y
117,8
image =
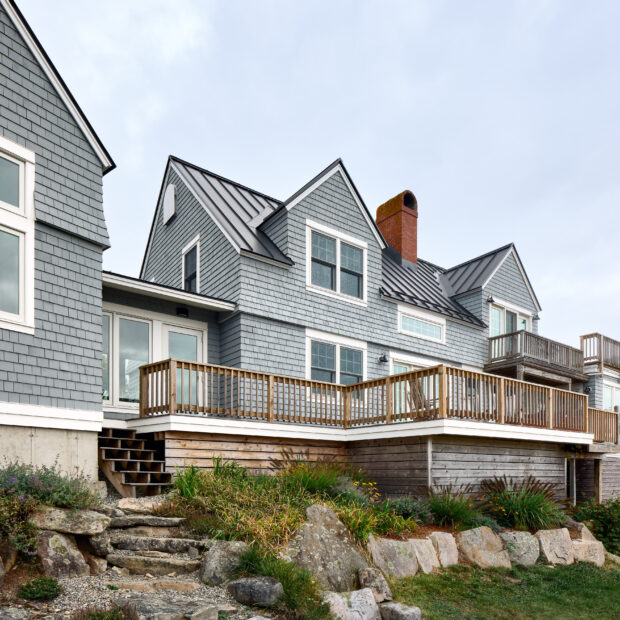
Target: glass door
x,y
185,345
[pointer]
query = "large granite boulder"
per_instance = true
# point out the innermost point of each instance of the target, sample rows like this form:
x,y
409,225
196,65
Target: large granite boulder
x,y
396,558
355,605
445,547
583,533
398,611
590,551
373,578
256,591
60,557
425,554
482,547
83,522
221,561
326,548
556,546
522,547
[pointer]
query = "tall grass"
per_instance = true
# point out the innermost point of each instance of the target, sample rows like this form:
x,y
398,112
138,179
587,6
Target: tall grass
x,y
453,506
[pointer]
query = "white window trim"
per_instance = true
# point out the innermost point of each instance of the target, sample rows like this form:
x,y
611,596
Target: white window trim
x,y
195,242
111,386
20,221
339,237
614,387
338,341
421,315
518,310
411,360
158,323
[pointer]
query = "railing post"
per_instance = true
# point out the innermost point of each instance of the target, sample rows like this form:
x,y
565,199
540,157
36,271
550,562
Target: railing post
x,y
586,415
550,408
443,392
270,412
346,415
144,392
389,400
172,387
501,401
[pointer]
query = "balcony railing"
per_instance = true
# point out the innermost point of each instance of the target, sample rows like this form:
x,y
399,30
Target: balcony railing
x,y
523,344
599,349
441,392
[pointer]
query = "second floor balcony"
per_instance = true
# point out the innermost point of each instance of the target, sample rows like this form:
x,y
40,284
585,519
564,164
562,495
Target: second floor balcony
x,y
601,350
523,354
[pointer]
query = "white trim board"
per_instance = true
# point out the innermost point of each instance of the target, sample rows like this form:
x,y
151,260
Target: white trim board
x,y
196,424
62,91
19,414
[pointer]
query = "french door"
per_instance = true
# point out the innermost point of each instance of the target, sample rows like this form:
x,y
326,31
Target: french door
x,y
184,344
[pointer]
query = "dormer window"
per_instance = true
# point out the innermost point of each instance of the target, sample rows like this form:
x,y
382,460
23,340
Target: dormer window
x,y
191,266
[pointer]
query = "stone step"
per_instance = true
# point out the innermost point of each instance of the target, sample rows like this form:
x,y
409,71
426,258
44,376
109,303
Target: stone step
x,y
141,564
150,520
144,530
169,545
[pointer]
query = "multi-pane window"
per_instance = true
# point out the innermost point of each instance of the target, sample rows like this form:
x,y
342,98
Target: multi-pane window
x,y
505,321
133,352
335,363
190,270
336,265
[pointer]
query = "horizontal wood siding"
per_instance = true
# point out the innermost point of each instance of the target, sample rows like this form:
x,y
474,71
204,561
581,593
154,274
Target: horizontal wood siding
x,y
611,478
254,453
585,479
465,460
398,466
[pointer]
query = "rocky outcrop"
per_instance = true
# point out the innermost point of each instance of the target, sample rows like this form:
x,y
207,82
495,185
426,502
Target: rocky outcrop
x,y
522,547
590,551
373,578
396,558
355,605
221,561
398,611
425,554
60,557
169,607
445,547
83,522
256,591
138,564
556,546
482,547
325,547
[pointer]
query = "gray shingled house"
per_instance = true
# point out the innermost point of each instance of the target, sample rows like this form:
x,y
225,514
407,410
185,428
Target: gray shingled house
x,y
258,325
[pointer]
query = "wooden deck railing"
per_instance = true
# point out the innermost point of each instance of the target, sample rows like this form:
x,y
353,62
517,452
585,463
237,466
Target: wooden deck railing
x,y
600,349
178,387
533,346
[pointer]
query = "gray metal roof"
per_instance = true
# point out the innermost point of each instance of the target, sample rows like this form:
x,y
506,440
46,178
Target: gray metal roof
x,y
420,286
238,210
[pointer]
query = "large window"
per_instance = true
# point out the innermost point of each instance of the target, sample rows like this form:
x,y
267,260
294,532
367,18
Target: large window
x,y
611,397
337,263
335,359
133,351
420,324
16,237
191,266
505,320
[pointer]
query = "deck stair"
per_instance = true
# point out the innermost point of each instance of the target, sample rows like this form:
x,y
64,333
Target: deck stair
x,y
129,465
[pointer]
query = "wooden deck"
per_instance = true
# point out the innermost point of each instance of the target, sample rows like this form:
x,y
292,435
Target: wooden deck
x,y
175,387
601,350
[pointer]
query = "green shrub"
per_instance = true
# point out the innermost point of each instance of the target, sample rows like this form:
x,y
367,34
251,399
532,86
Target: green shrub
x,y
302,594
478,520
362,521
40,588
416,508
15,528
112,612
187,481
528,504
452,506
604,519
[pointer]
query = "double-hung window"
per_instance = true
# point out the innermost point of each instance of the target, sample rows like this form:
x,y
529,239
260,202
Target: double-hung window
x,y
335,360
16,237
336,263
191,266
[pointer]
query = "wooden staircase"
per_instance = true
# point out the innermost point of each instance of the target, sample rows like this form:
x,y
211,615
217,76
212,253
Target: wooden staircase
x,y
129,465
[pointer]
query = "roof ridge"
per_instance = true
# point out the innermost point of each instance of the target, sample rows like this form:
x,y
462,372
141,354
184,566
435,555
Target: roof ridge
x,y
471,260
184,162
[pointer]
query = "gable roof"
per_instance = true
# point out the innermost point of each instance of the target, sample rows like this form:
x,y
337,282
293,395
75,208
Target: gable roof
x,y
476,273
419,284
22,26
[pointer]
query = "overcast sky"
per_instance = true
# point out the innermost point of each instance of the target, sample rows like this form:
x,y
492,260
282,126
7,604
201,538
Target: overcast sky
x,y
502,117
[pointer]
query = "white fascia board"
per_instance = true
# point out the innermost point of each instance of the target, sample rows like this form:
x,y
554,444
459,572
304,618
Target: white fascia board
x,y
328,174
56,83
113,423
464,428
20,414
153,290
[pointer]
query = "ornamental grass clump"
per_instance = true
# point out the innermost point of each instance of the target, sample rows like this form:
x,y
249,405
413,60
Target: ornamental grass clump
x,y
453,506
604,521
528,504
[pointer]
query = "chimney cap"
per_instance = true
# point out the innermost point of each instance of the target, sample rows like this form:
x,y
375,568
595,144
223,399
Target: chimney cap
x,y
401,202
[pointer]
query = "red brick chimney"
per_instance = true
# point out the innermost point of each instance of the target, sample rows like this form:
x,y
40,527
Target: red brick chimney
x,y
398,222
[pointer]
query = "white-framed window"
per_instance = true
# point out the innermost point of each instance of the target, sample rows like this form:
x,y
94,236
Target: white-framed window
x,y
505,318
425,325
611,397
16,237
191,266
133,337
335,359
336,263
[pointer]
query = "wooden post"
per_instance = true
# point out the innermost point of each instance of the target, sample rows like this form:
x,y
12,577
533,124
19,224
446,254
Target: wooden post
x,y
270,413
389,400
144,391
550,408
586,416
346,414
172,386
501,401
443,392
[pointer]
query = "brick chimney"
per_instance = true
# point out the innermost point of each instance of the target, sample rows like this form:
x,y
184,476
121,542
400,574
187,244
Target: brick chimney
x,y
398,222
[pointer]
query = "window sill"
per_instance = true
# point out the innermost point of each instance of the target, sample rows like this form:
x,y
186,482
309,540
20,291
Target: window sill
x,y
17,326
335,295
